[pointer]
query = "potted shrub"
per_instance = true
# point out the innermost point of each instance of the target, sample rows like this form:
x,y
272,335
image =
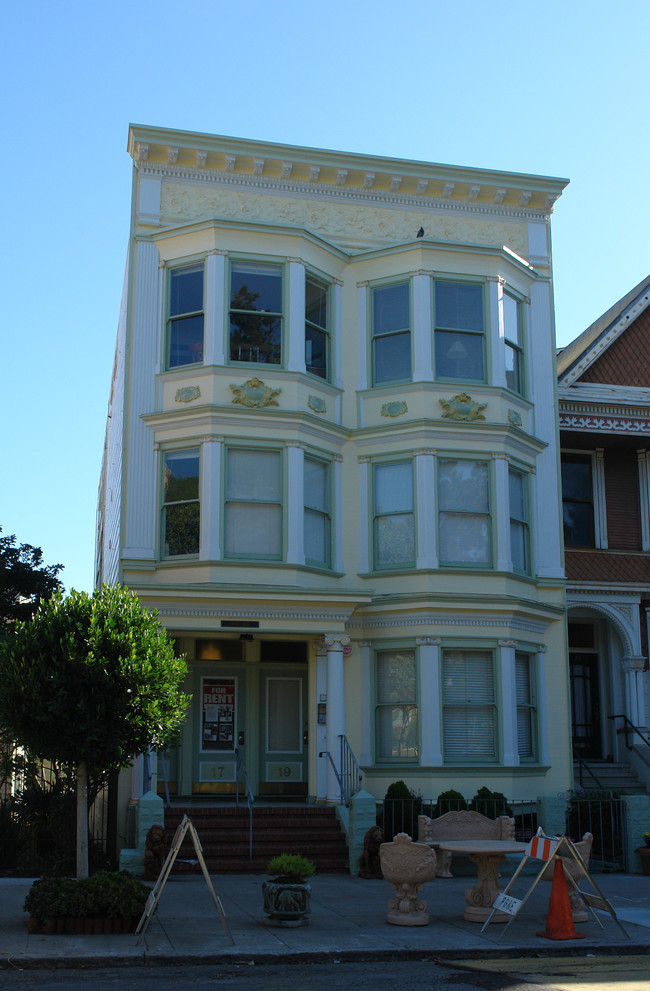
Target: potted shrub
x,y
287,897
644,854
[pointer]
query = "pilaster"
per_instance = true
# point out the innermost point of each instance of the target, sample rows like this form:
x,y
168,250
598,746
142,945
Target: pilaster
x,y
210,500
215,308
430,701
508,703
295,359
422,323
426,509
295,503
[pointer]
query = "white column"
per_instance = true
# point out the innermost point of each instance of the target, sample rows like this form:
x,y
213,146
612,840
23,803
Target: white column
x,y
430,718
336,323
644,497
362,335
146,346
337,513
634,699
600,499
422,329
295,360
137,778
542,722
501,514
367,721
426,509
295,503
321,728
365,515
215,308
496,338
335,710
508,702
210,547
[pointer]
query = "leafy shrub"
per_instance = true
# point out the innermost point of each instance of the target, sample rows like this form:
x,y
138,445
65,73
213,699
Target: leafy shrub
x,y
402,806
105,895
449,801
490,803
290,867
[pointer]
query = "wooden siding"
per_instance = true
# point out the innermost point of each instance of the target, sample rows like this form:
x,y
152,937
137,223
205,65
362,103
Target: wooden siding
x,y
627,360
622,497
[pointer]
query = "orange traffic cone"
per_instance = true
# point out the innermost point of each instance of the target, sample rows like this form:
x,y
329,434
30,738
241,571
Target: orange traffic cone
x,y
559,921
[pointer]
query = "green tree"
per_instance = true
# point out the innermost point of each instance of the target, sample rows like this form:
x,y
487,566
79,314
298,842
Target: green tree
x,y
91,682
25,581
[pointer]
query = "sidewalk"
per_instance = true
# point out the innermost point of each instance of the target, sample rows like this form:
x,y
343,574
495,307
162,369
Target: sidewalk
x,y
348,921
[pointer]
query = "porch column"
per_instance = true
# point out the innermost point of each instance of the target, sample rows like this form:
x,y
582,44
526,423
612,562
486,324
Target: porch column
x,y
430,703
335,709
365,757
321,728
633,668
508,702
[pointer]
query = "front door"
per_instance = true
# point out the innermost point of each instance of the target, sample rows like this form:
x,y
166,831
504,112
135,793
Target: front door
x,y
585,705
283,738
220,710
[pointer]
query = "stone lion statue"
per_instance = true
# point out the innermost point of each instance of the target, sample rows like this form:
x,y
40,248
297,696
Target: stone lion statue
x,y
369,863
155,851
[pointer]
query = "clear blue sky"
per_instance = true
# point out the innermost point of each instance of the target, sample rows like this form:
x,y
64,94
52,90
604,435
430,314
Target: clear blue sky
x,y
558,89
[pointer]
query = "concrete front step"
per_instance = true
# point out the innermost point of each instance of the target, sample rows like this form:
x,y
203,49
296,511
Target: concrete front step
x,y
612,777
312,831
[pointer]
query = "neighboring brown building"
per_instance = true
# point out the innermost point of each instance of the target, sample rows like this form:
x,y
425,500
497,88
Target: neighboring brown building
x,y
604,404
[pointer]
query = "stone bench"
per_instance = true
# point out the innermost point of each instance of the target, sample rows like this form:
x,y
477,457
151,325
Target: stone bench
x,y
461,825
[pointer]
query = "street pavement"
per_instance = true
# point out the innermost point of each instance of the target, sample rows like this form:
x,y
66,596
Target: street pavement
x,y
347,923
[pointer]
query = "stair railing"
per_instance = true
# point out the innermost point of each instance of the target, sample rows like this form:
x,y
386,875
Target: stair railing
x,y
240,768
582,765
628,728
348,774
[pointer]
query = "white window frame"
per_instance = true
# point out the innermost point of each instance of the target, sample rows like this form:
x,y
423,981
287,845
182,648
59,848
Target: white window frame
x,y
439,327
467,706
406,705
165,504
252,501
482,565
326,330
376,336
599,504
188,266
522,523
324,514
377,516
261,263
526,706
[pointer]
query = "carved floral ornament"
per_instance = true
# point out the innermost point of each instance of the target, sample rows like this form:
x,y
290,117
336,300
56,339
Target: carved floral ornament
x,y
462,407
187,393
254,394
396,408
317,404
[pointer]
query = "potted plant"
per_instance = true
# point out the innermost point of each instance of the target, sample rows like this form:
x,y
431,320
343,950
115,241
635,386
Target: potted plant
x,y
287,896
644,854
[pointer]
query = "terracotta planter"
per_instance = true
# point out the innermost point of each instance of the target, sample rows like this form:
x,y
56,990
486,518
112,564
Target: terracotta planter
x,y
644,854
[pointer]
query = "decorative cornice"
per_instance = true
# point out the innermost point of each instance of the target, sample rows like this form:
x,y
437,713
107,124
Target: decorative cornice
x,y
396,622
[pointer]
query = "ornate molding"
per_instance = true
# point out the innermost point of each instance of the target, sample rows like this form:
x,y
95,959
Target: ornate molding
x,y
317,404
514,418
254,394
633,664
462,407
428,641
187,394
395,408
507,643
338,642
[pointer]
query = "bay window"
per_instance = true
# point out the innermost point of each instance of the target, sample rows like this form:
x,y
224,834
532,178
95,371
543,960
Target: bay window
x,y
256,313
185,316
394,523
253,511
525,706
459,329
519,525
391,333
512,334
469,706
464,513
181,508
397,736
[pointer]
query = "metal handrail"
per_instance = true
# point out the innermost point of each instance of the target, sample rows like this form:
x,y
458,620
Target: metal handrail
x,y
349,776
583,764
629,725
240,766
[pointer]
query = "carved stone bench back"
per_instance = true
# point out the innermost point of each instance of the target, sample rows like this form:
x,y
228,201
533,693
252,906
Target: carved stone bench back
x,y
464,825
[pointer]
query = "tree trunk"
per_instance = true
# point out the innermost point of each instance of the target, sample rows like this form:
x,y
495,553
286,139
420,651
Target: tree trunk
x,y
82,819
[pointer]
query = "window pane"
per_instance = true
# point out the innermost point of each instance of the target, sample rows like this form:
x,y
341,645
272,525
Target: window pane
x,y
511,318
254,475
517,501
316,302
459,356
513,377
459,306
185,290
470,733
468,676
254,529
578,524
181,476
284,715
396,676
576,478
469,718
391,308
392,358
256,287
185,341
255,338
394,539
394,488
398,732
316,536
464,539
519,546
182,528
316,351
316,484
463,485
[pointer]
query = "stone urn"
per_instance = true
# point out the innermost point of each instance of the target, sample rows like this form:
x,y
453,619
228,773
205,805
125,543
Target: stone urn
x,y
287,903
408,866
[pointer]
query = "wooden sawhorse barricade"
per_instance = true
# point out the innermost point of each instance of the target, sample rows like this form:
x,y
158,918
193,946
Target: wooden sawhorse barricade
x,y
186,825
546,849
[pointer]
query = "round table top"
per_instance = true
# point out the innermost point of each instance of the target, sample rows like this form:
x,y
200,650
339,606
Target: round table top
x,y
482,846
